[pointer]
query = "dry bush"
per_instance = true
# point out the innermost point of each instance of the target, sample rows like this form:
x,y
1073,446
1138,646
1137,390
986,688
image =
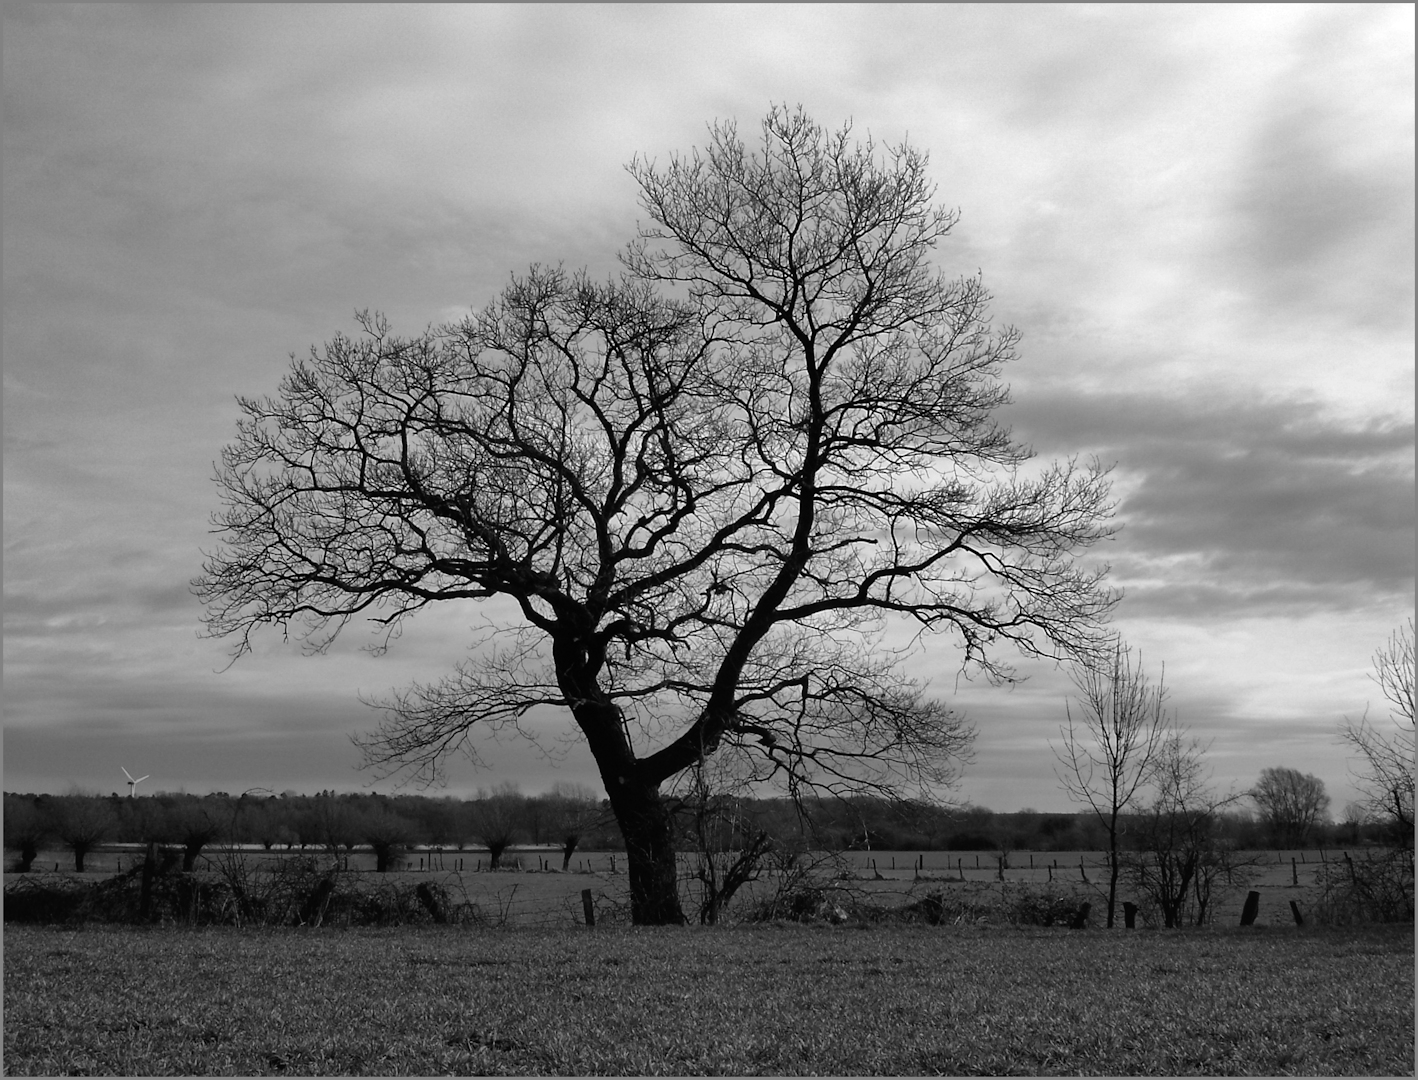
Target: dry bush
x,y
1024,905
1368,890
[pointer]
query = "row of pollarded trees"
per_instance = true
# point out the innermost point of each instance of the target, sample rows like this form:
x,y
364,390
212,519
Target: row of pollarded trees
x,y
1123,755
329,822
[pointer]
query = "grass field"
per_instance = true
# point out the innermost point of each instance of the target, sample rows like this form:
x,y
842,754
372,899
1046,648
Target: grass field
x,y
888,1000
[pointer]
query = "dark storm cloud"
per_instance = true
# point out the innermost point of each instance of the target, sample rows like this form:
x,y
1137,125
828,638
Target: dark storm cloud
x,y
1231,507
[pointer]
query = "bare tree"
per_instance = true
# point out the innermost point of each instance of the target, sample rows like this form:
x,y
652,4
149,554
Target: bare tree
x,y
573,811
26,830
495,821
728,845
1385,774
1179,855
1107,754
387,832
330,822
1292,804
194,824
81,823
705,509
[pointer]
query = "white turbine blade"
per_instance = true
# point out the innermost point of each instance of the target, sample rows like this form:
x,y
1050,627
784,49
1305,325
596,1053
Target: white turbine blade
x,y
128,774
141,779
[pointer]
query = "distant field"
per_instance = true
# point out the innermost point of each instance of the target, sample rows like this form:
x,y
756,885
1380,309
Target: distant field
x,y
727,1001
539,894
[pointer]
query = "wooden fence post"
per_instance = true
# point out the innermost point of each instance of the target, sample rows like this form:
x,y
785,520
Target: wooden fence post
x,y
1295,910
588,907
431,903
145,895
1294,872
1082,872
1051,873
1251,909
1129,915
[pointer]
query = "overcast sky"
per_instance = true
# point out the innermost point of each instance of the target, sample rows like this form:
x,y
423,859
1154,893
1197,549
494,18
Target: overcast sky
x,y
1200,218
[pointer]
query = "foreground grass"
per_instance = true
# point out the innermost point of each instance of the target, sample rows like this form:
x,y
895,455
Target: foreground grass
x,y
885,1001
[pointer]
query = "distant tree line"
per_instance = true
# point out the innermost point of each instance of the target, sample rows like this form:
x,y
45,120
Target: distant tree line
x,y
570,819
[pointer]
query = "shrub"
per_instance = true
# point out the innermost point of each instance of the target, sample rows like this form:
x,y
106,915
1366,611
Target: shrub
x,y
1025,906
1368,890
944,908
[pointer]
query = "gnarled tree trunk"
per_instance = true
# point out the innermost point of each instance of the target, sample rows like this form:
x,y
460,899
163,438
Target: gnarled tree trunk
x,y
644,821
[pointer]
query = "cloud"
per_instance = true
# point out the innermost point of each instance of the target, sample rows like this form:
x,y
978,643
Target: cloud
x,y
1320,222
1229,506
1201,218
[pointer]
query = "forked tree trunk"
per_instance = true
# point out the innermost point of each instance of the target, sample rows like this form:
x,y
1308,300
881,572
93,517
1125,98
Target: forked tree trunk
x,y
641,813
644,822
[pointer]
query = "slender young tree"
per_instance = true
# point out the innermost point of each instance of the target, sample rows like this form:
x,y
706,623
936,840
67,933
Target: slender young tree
x,y
1108,751
706,489
1386,770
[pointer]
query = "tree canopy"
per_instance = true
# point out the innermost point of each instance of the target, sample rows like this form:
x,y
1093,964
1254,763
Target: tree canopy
x,y
708,486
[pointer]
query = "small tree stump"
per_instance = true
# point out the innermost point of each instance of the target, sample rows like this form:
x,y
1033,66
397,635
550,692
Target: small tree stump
x,y
1251,909
145,894
314,911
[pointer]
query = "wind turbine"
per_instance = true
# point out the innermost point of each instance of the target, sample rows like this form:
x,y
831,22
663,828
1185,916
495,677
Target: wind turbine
x,y
131,782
